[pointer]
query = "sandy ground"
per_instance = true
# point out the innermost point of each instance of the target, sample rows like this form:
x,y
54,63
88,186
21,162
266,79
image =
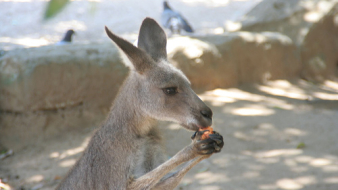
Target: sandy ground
x,y
282,135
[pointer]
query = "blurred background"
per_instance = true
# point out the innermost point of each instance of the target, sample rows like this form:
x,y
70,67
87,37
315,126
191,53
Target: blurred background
x,y
267,68
23,23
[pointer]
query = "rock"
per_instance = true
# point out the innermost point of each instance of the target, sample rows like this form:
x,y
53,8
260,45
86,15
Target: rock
x,y
59,77
293,18
54,77
320,47
222,61
51,90
311,25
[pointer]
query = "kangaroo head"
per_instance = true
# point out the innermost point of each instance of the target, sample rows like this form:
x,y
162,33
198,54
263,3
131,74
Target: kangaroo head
x,y
162,91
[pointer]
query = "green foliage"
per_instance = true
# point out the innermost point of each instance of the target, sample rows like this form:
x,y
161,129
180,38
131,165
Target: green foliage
x,y
301,145
53,7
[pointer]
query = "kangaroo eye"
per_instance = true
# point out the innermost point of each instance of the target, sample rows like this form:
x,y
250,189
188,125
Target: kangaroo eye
x,y
170,91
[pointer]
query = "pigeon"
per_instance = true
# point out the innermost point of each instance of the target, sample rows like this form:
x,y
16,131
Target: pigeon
x,y
2,53
67,39
174,21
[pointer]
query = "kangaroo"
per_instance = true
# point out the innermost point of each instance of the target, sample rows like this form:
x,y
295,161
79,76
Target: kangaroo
x,y
126,152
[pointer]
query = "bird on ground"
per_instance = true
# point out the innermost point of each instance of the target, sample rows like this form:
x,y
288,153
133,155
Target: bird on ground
x,y
2,52
174,21
67,39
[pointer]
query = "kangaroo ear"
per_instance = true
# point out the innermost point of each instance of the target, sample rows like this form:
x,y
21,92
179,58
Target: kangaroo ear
x,y
139,59
153,39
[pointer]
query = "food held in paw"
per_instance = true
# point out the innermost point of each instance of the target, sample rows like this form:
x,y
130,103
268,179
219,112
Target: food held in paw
x,y
208,131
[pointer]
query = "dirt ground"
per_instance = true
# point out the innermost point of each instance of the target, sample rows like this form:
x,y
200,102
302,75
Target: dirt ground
x,y
281,135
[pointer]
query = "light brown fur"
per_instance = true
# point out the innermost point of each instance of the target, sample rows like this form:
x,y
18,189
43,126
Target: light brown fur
x,y
126,152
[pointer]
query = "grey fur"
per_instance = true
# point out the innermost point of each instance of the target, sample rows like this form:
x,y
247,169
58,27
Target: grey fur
x,y
127,151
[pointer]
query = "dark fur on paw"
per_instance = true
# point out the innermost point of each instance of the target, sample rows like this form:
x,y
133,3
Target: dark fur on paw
x,y
213,144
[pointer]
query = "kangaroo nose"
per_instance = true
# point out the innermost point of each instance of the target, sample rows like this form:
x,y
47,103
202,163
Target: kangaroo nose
x,y
207,113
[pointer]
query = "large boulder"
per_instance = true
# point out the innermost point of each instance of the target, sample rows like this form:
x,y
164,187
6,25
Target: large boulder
x,y
50,90
220,61
320,47
312,26
57,77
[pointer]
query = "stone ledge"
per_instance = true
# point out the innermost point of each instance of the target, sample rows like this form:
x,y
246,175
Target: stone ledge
x,y
58,77
55,77
227,60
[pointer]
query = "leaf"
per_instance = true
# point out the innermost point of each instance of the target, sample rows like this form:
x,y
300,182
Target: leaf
x,y
53,7
301,145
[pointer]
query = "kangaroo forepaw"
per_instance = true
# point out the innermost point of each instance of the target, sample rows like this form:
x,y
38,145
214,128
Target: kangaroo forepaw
x,y
218,138
211,145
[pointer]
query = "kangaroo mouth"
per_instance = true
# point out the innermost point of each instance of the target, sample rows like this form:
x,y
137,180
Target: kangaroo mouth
x,y
191,127
197,123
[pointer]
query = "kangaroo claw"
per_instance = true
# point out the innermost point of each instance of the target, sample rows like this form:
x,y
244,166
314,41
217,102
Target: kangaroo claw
x,y
213,144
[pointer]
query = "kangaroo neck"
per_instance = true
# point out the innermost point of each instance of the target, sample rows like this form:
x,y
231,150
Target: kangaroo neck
x,y
126,112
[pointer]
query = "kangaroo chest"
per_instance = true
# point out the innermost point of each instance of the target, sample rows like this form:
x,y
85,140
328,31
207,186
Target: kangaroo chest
x,y
148,156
